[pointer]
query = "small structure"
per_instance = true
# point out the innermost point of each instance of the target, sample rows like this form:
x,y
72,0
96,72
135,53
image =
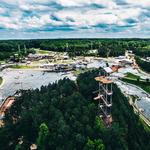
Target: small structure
x,y
93,51
115,68
65,56
33,147
120,57
48,66
108,70
129,55
104,96
80,66
125,62
33,57
148,59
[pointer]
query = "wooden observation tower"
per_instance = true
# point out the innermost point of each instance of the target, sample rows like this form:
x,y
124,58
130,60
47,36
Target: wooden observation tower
x,y
104,96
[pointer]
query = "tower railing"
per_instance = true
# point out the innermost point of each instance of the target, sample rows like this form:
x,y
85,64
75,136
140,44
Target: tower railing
x,y
104,96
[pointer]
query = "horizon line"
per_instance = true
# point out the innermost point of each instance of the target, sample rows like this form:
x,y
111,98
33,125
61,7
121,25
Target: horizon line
x,y
75,38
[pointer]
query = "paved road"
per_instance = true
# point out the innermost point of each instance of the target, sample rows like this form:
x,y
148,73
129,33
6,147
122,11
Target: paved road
x,y
136,110
129,89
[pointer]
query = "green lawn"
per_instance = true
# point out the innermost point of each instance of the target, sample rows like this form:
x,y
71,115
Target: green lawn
x,y
21,67
43,52
131,78
148,47
1,80
2,61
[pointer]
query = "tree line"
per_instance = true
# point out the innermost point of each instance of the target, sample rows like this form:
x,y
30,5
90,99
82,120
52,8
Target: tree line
x,y
75,47
145,65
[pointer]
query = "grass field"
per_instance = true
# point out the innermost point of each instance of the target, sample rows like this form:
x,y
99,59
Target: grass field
x,y
2,61
21,67
131,78
148,47
1,80
42,52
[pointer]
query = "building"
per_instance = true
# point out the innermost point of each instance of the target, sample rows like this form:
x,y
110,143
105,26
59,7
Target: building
x,y
33,57
115,68
47,66
125,62
129,55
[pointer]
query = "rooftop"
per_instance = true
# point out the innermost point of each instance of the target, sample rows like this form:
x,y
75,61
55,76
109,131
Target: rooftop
x,y
103,79
108,69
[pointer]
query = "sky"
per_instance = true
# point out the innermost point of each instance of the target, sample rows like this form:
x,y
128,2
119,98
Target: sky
x,y
37,19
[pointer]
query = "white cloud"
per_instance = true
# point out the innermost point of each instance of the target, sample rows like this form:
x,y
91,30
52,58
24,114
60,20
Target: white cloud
x,y
143,3
105,3
128,13
39,14
30,7
88,18
2,10
42,1
39,22
7,23
11,2
98,16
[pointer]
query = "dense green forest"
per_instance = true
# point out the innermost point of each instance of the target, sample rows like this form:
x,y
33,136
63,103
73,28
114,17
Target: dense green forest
x,y
106,47
143,64
63,116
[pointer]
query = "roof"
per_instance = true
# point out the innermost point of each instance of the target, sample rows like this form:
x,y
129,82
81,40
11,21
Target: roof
x,y
103,79
126,61
108,69
115,68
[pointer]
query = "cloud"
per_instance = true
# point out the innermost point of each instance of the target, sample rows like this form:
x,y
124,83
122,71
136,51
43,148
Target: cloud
x,y
81,3
90,16
2,10
143,3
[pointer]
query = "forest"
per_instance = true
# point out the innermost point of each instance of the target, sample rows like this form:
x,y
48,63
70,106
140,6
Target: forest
x,y
145,65
64,116
75,47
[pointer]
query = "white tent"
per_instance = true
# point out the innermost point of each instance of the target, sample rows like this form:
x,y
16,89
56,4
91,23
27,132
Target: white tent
x,y
108,69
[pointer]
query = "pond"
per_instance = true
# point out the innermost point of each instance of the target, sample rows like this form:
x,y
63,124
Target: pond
x,y
31,79
26,79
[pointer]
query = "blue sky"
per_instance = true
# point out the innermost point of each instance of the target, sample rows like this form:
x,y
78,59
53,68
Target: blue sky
x,y
74,19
